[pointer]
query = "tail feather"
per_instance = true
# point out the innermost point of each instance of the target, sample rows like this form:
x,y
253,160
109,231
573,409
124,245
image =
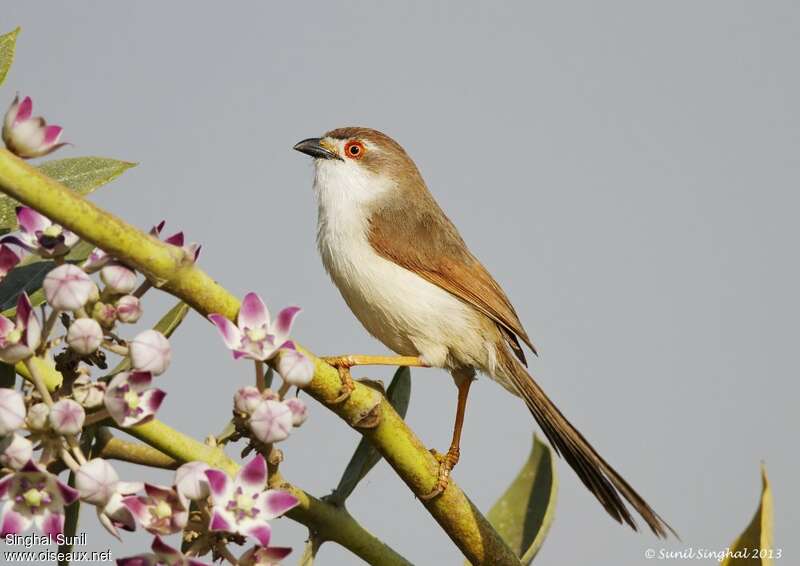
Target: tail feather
x,y
596,474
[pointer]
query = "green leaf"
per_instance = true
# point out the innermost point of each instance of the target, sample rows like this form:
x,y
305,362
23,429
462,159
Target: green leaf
x,y
29,275
8,44
8,376
524,513
71,514
27,278
81,174
365,457
757,536
166,326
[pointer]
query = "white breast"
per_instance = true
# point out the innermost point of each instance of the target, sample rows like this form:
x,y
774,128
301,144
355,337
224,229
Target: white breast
x,y
404,311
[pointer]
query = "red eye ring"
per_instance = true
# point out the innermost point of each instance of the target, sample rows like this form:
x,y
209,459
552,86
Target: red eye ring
x,y
354,149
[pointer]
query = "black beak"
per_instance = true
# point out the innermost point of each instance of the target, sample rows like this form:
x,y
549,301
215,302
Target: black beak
x,y
314,148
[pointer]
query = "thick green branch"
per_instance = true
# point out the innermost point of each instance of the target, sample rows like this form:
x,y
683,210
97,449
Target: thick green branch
x,y
168,268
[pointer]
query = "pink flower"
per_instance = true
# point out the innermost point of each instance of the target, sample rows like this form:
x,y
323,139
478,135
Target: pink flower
x,y
8,260
254,336
242,505
15,451
298,409
12,411
128,309
20,338
67,416
161,511
191,481
115,515
150,351
191,250
26,136
162,554
295,367
264,556
84,335
246,399
272,421
39,235
96,481
67,287
34,496
119,278
130,400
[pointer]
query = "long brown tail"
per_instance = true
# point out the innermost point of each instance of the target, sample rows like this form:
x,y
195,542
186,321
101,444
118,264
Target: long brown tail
x,y
596,474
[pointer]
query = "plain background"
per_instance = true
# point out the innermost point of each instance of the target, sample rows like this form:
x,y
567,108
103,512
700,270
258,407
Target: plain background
x,y
627,170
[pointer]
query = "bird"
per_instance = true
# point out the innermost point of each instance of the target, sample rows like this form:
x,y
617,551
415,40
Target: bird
x,y
407,275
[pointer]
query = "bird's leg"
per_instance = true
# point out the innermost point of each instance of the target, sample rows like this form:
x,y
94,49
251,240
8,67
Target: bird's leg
x,y
449,460
344,363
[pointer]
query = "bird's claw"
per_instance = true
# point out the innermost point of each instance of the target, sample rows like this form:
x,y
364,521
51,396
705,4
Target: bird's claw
x,y
447,462
343,367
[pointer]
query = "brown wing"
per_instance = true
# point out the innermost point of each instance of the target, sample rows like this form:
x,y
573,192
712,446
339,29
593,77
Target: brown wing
x,y
426,242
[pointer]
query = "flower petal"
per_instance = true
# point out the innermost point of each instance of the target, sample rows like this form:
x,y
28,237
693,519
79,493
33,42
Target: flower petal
x,y
262,532
219,523
13,523
218,483
230,333
52,524
31,221
277,502
253,312
283,324
254,474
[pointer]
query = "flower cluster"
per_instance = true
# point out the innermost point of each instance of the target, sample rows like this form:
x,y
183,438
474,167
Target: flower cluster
x,y
82,322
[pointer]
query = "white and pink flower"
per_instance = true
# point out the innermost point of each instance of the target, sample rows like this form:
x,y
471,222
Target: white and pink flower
x,y
8,260
150,351
39,235
242,505
255,336
32,496
272,421
28,136
162,555
161,511
67,287
130,400
20,338
12,411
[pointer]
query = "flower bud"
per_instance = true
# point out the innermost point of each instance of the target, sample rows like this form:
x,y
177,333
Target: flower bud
x,y
84,335
15,451
119,278
271,422
67,416
191,480
38,418
298,409
105,314
67,287
295,368
88,393
150,351
128,309
12,411
26,136
96,481
246,399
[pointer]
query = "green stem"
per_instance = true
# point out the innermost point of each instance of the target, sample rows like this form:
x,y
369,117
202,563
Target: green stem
x,y
172,270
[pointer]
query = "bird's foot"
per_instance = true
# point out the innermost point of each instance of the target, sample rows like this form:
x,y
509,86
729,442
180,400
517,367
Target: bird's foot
x,y
342,365
447,462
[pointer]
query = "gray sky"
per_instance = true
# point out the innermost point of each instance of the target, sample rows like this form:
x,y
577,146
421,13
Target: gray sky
x,y
628,171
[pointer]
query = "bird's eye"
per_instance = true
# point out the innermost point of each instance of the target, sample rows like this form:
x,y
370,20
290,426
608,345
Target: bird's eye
x,y
354,149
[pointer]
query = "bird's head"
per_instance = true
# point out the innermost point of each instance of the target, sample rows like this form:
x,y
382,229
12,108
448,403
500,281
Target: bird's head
x,y
359,165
